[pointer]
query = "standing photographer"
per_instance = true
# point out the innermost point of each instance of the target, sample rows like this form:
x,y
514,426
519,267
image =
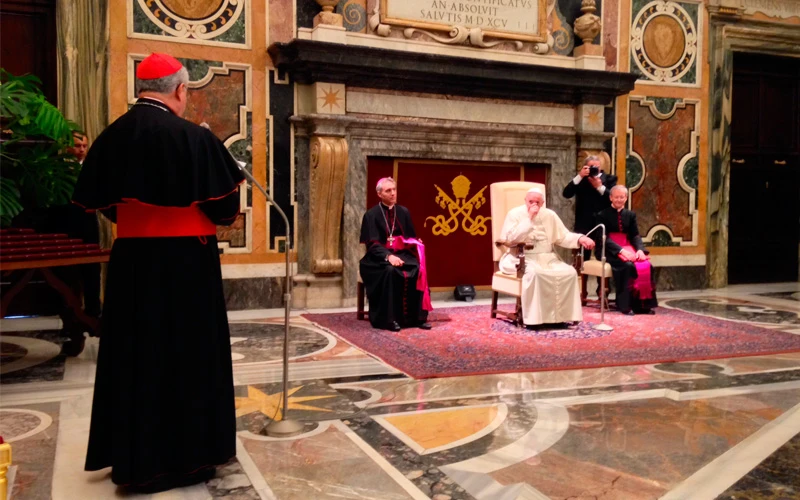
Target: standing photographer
x,y
591,188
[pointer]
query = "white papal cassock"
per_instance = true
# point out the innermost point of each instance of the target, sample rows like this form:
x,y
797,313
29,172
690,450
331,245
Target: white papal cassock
x,y
550,287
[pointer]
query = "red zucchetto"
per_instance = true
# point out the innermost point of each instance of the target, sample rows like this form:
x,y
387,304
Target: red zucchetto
x,y
157,65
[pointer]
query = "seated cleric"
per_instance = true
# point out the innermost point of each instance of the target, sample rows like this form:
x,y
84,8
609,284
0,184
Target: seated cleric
x,y
549,287
625,252
393,269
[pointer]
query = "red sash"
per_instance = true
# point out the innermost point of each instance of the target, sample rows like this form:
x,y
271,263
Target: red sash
x,y
139,220
401,243
642,285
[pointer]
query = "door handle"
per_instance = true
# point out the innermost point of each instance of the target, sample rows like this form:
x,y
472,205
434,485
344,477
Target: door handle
x,y
737,161
780,162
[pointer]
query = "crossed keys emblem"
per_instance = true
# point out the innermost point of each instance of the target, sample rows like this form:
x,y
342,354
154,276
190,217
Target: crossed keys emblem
x,y
442,225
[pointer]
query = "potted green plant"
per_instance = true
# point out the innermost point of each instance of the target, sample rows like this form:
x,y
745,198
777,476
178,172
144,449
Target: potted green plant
x,y
36,172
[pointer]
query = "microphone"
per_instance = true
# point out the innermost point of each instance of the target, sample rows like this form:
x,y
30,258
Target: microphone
x,y
285,426
602,325
596,227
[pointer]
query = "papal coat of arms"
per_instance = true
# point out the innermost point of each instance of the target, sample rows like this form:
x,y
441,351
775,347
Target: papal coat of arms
x,y
444,225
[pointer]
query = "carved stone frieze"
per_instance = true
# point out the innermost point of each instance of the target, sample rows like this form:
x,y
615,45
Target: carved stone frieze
x,y
328,175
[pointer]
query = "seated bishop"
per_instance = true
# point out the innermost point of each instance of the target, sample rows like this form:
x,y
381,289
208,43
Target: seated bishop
x,y
634,282
550,292
393,269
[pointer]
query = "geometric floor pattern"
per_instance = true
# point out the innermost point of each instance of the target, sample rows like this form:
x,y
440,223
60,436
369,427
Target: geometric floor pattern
x,y
722,428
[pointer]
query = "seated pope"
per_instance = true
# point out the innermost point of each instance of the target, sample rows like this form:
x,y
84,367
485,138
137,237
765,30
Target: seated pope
x,y
550,291
393,268
634,282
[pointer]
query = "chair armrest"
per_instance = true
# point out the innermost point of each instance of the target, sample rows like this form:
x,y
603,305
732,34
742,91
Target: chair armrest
x,y
577,259
520,254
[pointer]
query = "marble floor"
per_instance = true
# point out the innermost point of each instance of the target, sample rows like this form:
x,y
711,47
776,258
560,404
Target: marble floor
x,y
723,428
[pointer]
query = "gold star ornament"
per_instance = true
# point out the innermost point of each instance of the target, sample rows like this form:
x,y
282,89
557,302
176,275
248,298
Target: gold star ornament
x,y
330,98
593,117
269,404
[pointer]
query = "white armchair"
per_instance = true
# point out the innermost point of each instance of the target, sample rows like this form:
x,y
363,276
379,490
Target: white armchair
x,y
505,196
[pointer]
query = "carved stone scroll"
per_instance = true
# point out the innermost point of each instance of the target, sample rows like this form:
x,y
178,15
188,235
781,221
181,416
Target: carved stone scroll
x,y
328,175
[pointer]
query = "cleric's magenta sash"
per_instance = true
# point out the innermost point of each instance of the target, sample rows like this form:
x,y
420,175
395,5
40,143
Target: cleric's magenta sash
x,y
642,284
400,243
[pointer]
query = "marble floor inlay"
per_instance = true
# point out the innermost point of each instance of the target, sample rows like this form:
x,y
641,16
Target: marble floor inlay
x,y
31,356
720,428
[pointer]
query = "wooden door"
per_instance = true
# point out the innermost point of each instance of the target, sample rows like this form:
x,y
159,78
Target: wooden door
x,y
28,41
764,210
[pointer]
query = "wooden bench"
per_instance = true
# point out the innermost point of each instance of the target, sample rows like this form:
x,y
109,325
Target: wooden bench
x,y
25,253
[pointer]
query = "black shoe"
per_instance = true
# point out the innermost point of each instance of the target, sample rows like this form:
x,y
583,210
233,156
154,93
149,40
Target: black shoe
x,y
73,347
628,313
646,311
425,326
393,326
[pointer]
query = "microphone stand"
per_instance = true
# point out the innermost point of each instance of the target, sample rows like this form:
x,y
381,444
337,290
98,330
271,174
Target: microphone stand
x,y
602,326
283,427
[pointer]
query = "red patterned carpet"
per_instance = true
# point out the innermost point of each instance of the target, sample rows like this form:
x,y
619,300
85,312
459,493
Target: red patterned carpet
x,y
466,341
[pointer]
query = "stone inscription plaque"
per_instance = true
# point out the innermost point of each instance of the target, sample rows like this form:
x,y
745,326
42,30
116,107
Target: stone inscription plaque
x,y
513,19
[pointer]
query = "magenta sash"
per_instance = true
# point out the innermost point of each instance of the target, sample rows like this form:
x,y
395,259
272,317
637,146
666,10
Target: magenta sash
x,y
401,243
642,284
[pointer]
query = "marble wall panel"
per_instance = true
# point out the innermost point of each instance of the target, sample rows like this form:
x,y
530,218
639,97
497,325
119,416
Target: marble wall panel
x,y
561,28
253,293
281,20
661,169
306,10
610,33
281,108
354,14
207,22
216,100
666,42
680,278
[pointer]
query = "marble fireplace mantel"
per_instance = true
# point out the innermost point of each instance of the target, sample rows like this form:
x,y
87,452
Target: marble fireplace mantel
x,y
310,61
415,138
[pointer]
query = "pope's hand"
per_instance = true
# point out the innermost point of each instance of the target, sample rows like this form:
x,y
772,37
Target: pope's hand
x,y
586,242
533,210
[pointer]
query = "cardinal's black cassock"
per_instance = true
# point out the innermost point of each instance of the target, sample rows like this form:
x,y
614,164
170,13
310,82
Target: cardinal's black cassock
x,y
392,291
163,400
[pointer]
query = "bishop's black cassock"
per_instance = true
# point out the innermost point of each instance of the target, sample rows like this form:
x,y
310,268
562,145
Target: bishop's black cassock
x,y
391,291
163,400
625,274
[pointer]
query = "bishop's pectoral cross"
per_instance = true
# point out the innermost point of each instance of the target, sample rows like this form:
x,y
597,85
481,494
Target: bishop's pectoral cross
x,y
390,240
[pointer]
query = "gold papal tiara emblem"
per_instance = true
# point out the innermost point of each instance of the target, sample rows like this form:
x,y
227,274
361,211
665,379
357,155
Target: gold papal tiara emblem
x,y
443,225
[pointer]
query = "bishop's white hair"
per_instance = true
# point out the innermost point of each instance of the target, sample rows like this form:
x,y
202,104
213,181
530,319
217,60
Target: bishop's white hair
x,y
165,85
384,180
